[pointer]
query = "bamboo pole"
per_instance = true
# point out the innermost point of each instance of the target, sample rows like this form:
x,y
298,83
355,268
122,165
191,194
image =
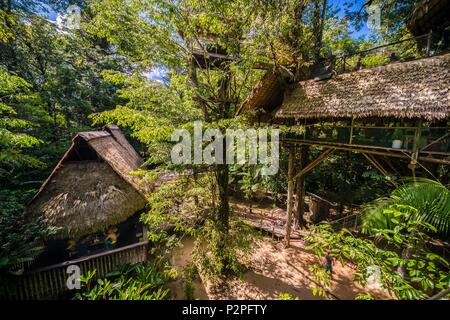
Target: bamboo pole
x,y
379,167
290,195
351,131
367,149
300,188
315,162
440,295
415,153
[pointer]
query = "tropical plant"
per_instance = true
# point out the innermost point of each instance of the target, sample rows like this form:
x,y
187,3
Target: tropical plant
x,y
287,296
131,282
425,272
21,238
427,201
189,274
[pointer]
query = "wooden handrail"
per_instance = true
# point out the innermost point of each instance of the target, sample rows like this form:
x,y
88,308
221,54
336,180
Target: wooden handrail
x,y
382,46
90,257
51,281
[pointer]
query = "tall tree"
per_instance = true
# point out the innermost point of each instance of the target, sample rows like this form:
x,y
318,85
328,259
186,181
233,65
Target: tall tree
x,y
186,36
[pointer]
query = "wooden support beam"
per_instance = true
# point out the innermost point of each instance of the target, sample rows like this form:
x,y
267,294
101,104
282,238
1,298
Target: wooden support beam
x,y
391,165
369,150
440,295
300,189
315,162
436,141
290,201
415,153
351,130
379,167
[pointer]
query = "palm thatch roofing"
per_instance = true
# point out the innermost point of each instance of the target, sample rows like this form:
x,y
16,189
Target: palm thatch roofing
x,y
429,15
414,89
267,92
92,186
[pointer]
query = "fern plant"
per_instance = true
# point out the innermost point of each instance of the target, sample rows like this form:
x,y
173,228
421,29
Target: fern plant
x,y
428,200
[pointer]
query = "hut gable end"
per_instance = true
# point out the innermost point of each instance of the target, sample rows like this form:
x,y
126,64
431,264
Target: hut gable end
x,y
92,186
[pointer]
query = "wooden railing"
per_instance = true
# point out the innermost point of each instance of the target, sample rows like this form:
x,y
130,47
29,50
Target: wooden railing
x,y
51,281
341,63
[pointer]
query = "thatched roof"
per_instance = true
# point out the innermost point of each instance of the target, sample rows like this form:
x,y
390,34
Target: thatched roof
x,y
414,89
429,15
267,92
92,186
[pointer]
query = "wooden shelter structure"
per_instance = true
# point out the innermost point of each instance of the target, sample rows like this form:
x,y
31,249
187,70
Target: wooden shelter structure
x,y
95,201
399,110
92,186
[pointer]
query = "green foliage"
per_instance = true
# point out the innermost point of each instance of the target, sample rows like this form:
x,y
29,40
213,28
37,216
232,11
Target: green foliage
x,y
54,84
322,280
13,127
425,271
188,276
152,111
50,82
176,209
426,201
394,14
136,282
21,238
287,296
364,296
217,253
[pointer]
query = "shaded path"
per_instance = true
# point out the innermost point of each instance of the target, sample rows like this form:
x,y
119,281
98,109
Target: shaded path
x,y
275,270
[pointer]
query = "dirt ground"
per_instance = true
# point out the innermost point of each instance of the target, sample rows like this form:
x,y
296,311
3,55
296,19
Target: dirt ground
x,y
272,270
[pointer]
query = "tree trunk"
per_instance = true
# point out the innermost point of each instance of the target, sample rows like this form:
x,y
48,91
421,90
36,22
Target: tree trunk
x,y
222,111
319,17
223,208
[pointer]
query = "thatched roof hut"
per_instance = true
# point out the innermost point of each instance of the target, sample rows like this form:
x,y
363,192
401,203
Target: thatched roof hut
x,y
92,186
413,89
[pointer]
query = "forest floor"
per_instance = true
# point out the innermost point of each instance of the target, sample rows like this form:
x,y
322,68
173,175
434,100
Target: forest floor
x,y
271,271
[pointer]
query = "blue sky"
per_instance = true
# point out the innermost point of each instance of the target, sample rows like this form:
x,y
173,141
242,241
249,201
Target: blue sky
x,y
364,31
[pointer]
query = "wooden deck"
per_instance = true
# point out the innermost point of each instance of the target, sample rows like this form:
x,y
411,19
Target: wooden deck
x,y
270,220
274,227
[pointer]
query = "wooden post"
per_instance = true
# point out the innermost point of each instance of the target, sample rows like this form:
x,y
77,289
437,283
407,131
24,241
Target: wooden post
x,y
351,131
300,188
379,167
324,155
416,146
429,37
290,195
